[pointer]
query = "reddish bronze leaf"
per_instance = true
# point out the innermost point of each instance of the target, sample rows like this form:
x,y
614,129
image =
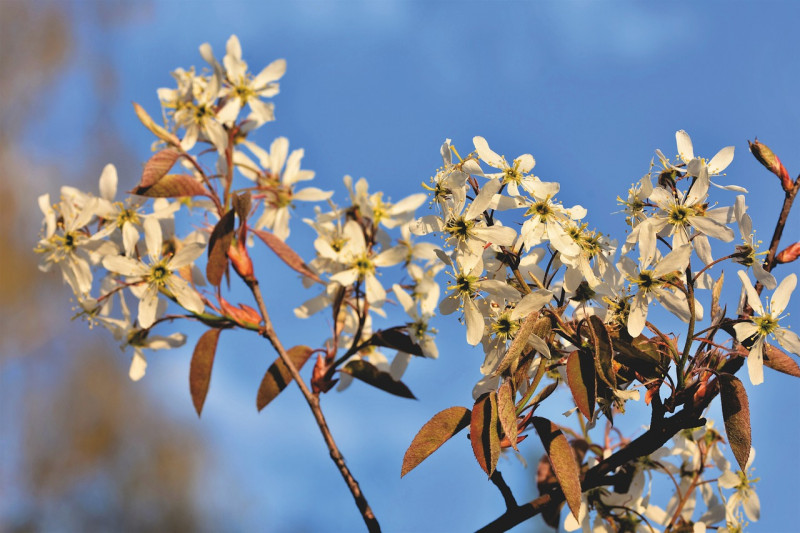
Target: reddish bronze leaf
x,y
777,359
507,412
369,373
200,367
582,383
286,254
278,376
433,434
158,166
562,459
736,414
484,432
172,186
218,244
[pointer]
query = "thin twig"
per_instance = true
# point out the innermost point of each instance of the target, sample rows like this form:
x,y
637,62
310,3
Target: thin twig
x,y
313,402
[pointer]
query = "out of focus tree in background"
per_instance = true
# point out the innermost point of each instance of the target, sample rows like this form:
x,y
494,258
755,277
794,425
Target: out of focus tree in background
x,y
81,448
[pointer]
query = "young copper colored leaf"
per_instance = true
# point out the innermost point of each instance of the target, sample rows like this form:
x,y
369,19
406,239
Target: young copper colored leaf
x,y
581,379
158,166
776,359
218,244
603,350
436,431
369,373
200,367
483,432
278,376
286,254
736,414
172,186
562,459
507,412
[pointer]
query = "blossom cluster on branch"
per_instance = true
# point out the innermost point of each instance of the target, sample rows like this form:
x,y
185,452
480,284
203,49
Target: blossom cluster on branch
x,y
551,301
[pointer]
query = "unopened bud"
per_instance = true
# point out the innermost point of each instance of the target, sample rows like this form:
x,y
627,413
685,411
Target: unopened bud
x,y
243,314
788,254
768,158
240,259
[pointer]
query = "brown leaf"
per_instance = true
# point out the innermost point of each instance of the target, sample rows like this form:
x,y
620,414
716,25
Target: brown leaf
x,y
218,244
436,431
562,460
736,414
369,373
716,310
200,367
484,432
286,254
639,354
278,376
394,338
603,350
158,166
172,186
241,204
507,412
581,379
777,359
511,357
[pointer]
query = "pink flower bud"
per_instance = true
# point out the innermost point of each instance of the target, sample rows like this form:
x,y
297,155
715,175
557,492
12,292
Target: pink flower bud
x,y
768,158
789,254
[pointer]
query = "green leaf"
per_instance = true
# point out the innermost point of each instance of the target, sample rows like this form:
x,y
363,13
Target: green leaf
x,y
368,373
218,244
278,376
484,432
507,412
200,367
158,166
582,381
172,186
736,414
394,338
562,459
438,430
286,254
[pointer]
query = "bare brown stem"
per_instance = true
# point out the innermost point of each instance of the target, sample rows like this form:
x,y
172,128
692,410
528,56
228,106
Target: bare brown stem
x,y
788,200
313,402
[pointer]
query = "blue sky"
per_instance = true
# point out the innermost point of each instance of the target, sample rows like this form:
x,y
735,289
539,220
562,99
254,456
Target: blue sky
x,y
372,89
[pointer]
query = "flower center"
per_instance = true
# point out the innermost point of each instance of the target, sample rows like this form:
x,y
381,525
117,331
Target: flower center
x,y
765,324
159,273
459,228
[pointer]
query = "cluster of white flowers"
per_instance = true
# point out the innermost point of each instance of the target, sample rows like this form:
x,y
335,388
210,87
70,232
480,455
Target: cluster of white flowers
x,y
141,254
706,493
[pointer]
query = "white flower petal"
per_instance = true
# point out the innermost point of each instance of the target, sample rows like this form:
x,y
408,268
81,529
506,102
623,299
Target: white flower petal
x,y
721,161
125,265
780,298
788,339
474,320
185,294
487,154
752,296
108,182
153,238
755,362
685,149
138,366
148,306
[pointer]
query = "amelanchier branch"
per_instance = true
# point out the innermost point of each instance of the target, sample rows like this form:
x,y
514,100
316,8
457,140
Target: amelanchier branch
x,y
313,403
